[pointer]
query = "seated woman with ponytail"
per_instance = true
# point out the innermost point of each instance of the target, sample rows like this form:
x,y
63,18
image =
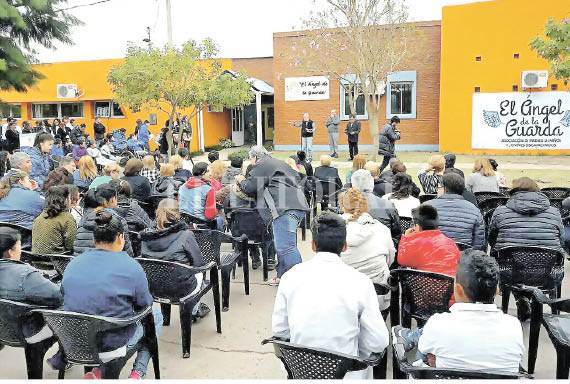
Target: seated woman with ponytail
x,y
105,281
19,203
370,248
106,198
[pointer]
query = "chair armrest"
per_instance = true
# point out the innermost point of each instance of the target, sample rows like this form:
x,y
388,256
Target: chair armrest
x,y
203,268
272,339
374,359
382,289
133,319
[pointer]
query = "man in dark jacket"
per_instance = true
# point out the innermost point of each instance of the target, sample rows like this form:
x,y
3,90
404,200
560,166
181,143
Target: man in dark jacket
x,y
308,128
352,131
450,165
389,134
277,185
381,209
458,218
526,220
329,179
77,134
99,130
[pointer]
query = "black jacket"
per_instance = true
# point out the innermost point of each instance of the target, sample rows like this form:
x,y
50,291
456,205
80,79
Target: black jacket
x,y
182,174
140,187
75,135
387,140
85,240
99,130
131,211
282,182
12,140
352,131
307,128
384,211
328,175
527,220
166,186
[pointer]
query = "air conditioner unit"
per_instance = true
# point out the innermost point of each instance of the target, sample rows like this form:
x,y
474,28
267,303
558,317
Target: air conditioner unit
x,y
67,91
534,79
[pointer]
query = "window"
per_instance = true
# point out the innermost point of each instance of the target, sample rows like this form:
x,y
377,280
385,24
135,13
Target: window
x,y
45,111
10,110
71,109
346,88
107,109
401,95
515,88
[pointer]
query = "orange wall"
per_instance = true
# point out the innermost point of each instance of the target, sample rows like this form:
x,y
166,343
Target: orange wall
x,y
495,31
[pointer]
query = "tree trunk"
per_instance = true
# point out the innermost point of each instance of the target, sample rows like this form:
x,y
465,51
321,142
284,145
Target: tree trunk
x,y
169,135
373,120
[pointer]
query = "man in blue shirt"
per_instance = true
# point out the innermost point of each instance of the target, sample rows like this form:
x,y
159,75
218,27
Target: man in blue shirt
x,y
107,282
143,135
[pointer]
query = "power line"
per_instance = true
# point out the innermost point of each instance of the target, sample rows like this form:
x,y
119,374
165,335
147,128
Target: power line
x,y
83,5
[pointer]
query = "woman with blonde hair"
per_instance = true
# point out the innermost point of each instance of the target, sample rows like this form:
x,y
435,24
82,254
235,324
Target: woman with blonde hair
x,y
370,247
172,240
167,184
217,170
86,173
483,178
149,169
180,173
431,177
359,162
111,171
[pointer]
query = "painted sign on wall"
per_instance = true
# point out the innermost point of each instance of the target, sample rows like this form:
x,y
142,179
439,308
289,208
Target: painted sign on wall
x,y
307,88
516,120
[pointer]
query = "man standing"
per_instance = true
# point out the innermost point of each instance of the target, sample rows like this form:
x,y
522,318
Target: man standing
x,y
143,135
332,124
352,131
308,128
277,187
389,134
324,303
100,130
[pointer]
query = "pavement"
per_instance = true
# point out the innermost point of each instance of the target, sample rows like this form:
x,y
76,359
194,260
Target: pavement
x,y
237,353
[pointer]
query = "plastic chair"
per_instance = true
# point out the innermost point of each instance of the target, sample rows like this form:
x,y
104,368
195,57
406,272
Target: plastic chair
x,y
210,242
135,239
557,203
462,246
305,363
60,262
406,223
79,335
13,314
25,233
557,326
423,294
405,370
504,191
326,193
482,196
556,192
427,197
41,262
164,279
491,203
248,222
194,221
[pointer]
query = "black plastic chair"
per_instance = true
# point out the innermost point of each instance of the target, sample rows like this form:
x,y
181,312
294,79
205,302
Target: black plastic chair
x,y
557,326
305,363
557,203
25,233
210,242
79,336
326,194
556,192
403,369
428,197
462,246
491,203
41,262
248,222
60,262
538,267
12,317
148,208
423,294
164,281
197,222
406,223
135,239
504,191
482,196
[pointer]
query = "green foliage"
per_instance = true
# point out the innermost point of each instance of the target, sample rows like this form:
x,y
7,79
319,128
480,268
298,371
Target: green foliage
x,y
226,143
23,23
243,153
555,48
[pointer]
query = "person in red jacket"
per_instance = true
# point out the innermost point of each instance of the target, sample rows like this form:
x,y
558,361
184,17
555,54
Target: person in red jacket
x,y
424,247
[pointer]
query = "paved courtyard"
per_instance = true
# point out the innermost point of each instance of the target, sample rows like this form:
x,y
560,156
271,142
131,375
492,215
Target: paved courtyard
x,y
237,353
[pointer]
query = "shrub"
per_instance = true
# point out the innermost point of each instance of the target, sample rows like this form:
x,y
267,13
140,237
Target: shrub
x,y
243,153
226,143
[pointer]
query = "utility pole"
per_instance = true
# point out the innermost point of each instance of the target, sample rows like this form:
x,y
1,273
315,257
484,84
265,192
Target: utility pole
x,y
147,39
169,22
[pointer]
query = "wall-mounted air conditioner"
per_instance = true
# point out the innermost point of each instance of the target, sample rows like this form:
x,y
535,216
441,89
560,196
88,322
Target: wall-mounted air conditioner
x,y
534,79
67,91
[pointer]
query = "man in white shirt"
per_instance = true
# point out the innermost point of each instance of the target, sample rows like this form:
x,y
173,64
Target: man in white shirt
x,y
475,334
324,303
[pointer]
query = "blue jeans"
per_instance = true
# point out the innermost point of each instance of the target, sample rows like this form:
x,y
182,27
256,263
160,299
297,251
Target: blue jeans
x,y
285,238
143,355
307,146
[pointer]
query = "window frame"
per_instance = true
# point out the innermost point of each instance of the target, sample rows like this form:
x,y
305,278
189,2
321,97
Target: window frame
x,y
111,105
59,114
342,113
402,77
11,112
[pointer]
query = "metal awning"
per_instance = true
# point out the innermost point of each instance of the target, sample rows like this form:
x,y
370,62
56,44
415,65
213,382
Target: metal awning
x,y
257,85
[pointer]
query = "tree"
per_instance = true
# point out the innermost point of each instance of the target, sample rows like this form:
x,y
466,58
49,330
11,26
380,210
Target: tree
x,y
357,42
22,24
555,48
174,79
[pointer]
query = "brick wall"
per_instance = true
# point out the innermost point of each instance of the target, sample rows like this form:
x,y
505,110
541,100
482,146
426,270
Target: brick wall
x,y
258,67
422,131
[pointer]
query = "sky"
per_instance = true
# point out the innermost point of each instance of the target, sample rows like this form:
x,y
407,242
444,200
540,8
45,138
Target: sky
x,y
242,28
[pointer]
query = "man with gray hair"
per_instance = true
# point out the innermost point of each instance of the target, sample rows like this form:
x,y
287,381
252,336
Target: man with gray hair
x,y
279,188
380,209
21,161
332,124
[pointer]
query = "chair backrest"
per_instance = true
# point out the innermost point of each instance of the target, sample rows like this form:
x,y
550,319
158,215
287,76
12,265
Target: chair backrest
x,y
481,196
38,261
304,363
326,190
60,262
247,222
200,223
406,223
462,246
556,192
164,279
531,266
557,203
428,197
25,233
79,334
424,293
210,242
12,316
492,202
504,191
135,239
